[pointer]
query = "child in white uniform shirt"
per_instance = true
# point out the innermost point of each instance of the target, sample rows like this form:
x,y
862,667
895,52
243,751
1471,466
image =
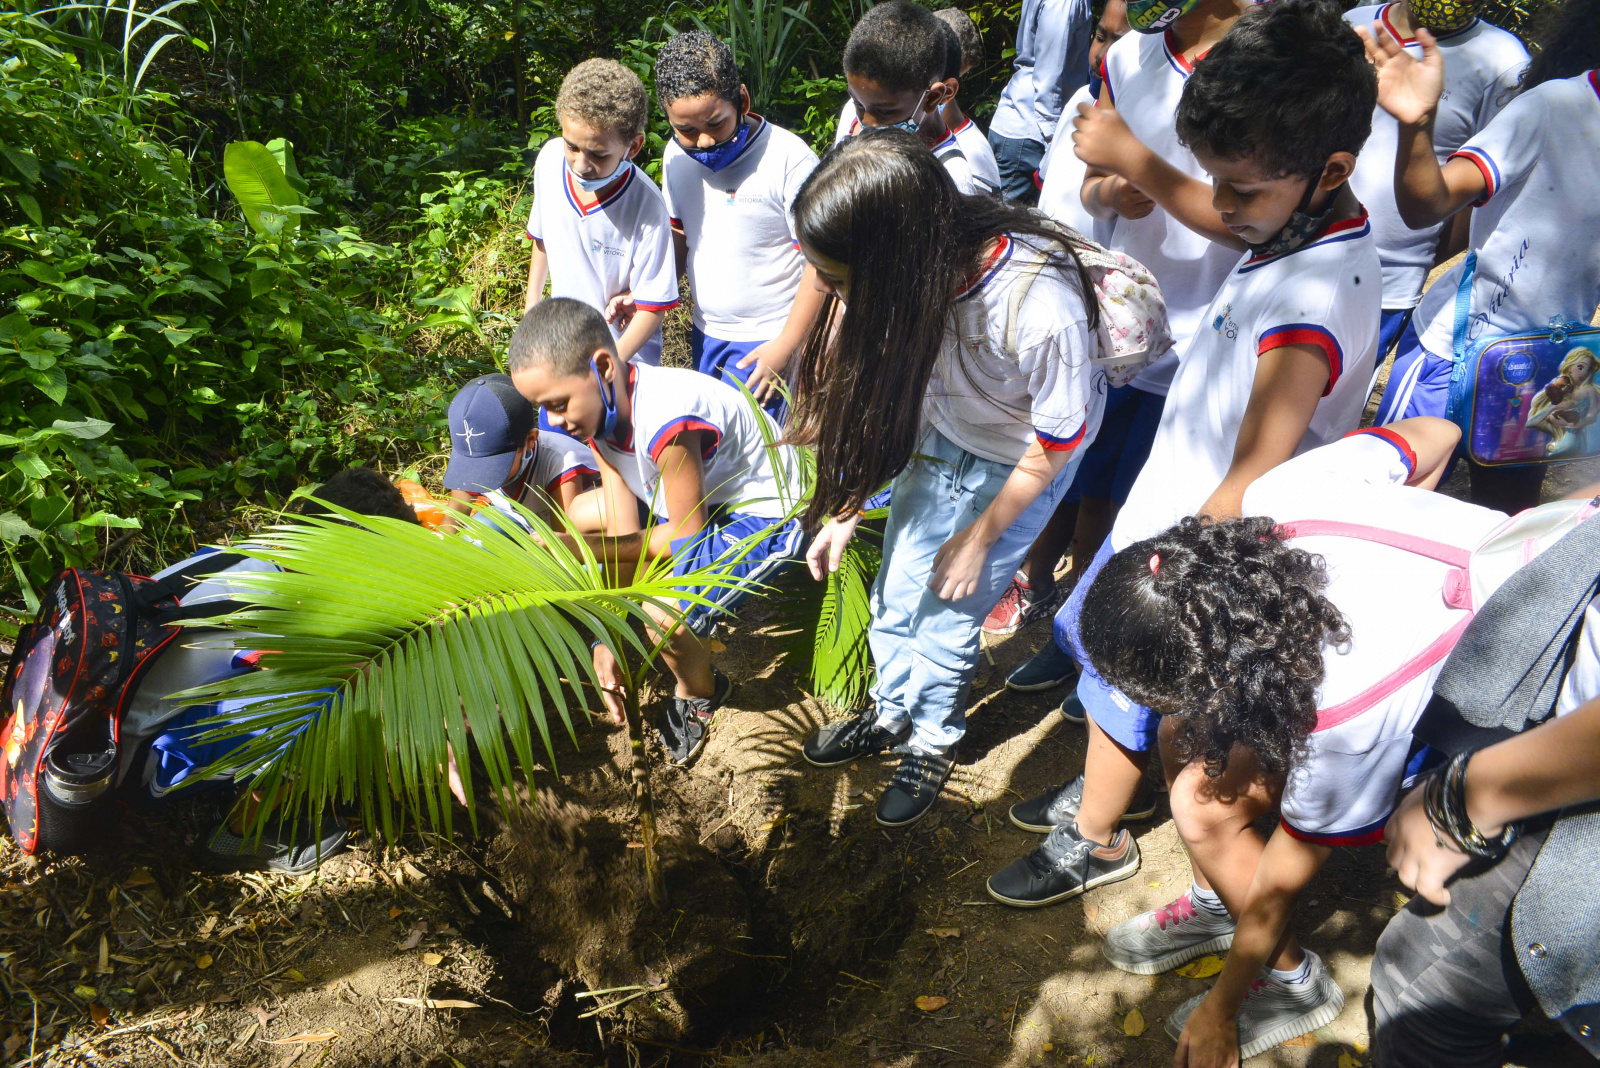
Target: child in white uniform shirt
x,y
1531,175
699,456
894,64
1483,63
1291,667
599,226
965,48
988,398
730,178
1061,172
1265,378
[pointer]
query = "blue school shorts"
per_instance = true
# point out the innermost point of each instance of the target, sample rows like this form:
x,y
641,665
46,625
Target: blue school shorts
x,y
1115,457
1419,382
720,360
1130,725
779,545
1390,326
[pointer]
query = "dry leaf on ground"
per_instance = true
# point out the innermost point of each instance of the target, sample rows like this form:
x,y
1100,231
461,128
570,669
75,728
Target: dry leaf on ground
x,y
1133,1023
932,1002
945,932
414,938
99,1014
1305,1040
203,961
433,960
1204,968
434,1003
1350,1060
305,1037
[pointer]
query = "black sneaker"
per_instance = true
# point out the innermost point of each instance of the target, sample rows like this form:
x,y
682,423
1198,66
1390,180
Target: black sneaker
x,y
1044,670
914,788
851,739
288,849
1060,805
1064,865
1072,709
686,722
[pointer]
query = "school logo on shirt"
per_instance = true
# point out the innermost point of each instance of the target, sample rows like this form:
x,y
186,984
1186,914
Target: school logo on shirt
x,y
603,250
1224,324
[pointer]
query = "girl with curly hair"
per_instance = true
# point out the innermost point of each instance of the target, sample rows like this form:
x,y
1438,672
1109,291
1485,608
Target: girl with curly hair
x,y
1289,652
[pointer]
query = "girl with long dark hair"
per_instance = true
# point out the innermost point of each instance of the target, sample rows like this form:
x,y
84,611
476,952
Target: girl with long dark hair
x,y
953,358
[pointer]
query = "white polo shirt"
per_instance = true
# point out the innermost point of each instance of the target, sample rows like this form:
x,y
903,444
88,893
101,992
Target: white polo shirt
x,y
620,244
980,157
1144,77
1481,66
1061,175
1343,790
1327,294
743,473
744,262
1535,229
996,404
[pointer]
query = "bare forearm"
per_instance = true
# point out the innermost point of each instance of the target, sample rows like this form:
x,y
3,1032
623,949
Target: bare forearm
x,y
1184,198
1091,197
1420,190
1287,867
1032,476
538,271
808,301
640,330
1548,768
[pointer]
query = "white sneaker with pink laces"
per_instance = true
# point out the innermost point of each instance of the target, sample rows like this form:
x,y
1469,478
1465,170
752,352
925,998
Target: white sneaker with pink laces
x,y
1163,938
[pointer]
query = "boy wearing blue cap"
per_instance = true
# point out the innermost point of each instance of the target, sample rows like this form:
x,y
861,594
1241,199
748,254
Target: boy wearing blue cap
x,y
503,450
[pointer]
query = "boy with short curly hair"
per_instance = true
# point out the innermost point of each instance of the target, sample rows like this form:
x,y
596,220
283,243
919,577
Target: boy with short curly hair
x,y
964,48
599,227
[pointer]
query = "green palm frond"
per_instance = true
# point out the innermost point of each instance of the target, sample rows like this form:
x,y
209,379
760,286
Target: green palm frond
x,y
841,662
387,642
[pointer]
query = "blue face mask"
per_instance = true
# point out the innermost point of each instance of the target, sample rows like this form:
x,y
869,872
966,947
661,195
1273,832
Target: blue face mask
x,y
594,185
720,155
608,425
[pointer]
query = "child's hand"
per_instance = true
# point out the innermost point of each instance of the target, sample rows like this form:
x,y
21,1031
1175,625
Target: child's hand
x,y
958,565
1123,197
770,358
1416,852
620,310
1103,141
611,683
1407,89
1209,1040
827,548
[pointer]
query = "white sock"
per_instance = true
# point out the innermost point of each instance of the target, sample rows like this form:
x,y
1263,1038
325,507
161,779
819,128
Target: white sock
x,y
1294,976
1207,900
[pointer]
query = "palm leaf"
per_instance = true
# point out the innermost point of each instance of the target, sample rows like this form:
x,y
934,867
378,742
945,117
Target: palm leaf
x,y
392,646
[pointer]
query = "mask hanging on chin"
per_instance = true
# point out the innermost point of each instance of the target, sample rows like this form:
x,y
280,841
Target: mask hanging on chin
x,y
1302,227
594,185
608,400
723,153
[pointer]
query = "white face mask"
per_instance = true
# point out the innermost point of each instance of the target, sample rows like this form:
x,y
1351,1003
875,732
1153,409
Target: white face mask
x,y
594,185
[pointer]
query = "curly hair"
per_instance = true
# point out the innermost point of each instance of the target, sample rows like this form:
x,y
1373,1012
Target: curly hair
x,y
899,45
1220,625
1287,87
695,64
606,95
1566,42
361,490
967,37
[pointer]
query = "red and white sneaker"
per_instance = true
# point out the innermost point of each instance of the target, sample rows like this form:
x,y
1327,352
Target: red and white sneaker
x,y
1020,605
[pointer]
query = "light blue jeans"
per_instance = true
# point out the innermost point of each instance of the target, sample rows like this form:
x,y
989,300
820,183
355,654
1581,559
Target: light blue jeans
x,y
926,649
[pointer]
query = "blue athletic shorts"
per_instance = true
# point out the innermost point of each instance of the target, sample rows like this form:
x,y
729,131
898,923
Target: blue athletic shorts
x,y
720,360
1419,382
1130,725
778,545
1390,326
1117,454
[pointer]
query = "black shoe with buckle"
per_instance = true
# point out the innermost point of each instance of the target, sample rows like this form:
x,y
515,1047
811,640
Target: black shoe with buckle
x,y
851,739
1060,804
914,788
686,722
1065,865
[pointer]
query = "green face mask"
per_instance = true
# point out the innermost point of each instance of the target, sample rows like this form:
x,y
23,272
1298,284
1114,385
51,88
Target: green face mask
x,y
1153,16
1444,16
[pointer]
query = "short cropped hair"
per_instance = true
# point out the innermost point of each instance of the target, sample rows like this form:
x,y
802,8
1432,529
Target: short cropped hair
x,y
361,490
966,35
606,95
899,45
696,64
952,52
561,334
1286,87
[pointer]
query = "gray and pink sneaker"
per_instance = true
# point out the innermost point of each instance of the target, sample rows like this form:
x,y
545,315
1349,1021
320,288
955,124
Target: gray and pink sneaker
x,y
1164,938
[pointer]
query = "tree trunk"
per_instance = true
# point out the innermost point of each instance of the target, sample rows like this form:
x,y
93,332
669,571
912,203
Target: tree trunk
x,y
655,885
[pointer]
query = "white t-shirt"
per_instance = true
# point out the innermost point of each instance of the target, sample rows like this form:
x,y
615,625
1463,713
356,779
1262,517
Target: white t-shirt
x,y
995,404
1343,790
1326,293
1061,175
1582,683
1481,66
743,473
744,262
1144,77
1535,229
980,156
1051,60
949,150
621,244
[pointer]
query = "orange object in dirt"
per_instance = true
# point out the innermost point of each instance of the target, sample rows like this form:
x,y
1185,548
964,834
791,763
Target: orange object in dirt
x,y
430,513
